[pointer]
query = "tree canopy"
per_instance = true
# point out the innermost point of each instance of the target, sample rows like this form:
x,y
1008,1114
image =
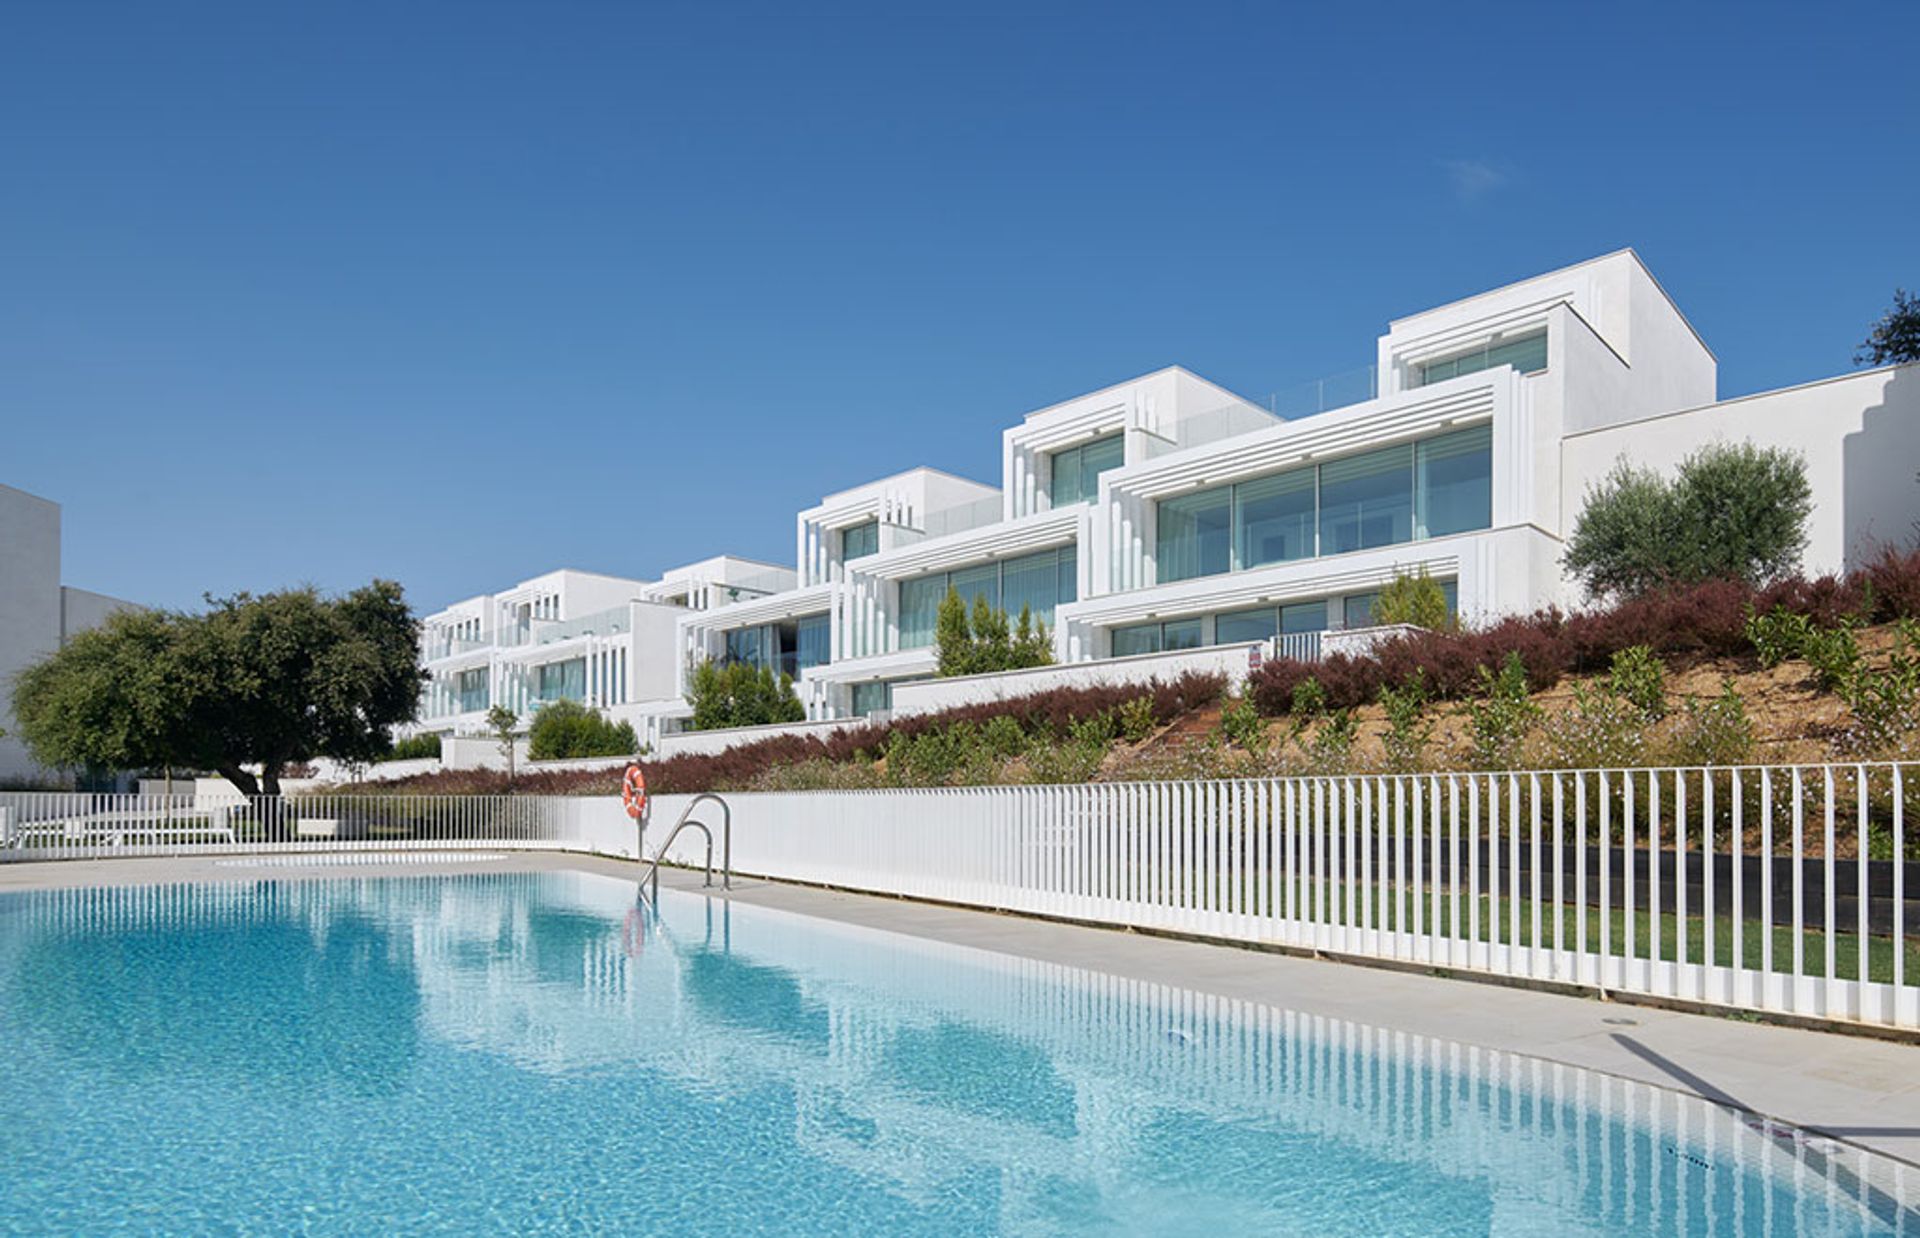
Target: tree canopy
x,y
1416,599
254,682
569,729
741,694
1896,337
1732,510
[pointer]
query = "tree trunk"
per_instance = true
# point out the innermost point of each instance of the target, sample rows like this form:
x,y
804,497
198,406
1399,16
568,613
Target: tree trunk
x,y
248,785
270,778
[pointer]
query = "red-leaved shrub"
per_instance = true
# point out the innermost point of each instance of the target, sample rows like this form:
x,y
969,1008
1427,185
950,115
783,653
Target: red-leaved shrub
x,y
1699,621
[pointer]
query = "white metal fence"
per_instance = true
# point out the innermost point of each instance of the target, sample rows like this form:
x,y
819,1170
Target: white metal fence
x,y
76,825
1773,889
1767,889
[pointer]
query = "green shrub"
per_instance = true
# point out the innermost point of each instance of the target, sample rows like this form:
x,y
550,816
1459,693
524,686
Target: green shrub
x,y
1309,700
1639,678
1328,748
414,748
1714,731
1778,635
1602,729
1241,723
819,774
564,729
1418,600
741,694
986,641
1834,655
1885,706
1732,510
1408,727
1498,724
1075,759
1137,719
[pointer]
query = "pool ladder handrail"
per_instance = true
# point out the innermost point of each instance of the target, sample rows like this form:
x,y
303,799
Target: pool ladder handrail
x,y
652,873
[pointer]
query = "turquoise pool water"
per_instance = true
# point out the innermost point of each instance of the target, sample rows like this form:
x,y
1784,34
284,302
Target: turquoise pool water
x,y
512,1053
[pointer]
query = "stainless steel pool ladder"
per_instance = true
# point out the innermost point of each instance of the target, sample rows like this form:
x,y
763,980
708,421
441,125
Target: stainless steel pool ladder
x,y
652,873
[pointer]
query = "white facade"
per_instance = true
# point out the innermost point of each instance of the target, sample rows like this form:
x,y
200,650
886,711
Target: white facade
x,y
1167,514
37,613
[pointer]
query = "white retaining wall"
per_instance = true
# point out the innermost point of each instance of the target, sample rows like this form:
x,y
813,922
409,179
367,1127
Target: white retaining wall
x,y
932,695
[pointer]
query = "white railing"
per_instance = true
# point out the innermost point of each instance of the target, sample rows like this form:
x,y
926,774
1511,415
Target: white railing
x,y
73,826
1769,889
1736,888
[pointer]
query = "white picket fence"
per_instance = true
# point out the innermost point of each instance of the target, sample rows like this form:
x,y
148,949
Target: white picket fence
x,y
1769,889
1729,887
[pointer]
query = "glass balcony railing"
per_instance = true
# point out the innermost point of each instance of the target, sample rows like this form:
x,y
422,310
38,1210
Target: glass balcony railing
x,y
1324,394
974,515
447,646
547,631
758,585
1220,423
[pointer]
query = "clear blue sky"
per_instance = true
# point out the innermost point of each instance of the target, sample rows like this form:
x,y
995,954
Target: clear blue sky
x,y
459,293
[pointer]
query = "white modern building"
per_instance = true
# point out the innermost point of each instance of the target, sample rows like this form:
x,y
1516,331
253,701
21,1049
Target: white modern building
x,y
38,614
1165,516
605,641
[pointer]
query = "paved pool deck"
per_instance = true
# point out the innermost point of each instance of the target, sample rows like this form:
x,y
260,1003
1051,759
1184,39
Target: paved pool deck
x,y
1851,1088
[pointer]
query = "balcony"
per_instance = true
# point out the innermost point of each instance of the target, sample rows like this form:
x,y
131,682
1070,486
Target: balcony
x,y
1325,394
551,631
974,515
436,648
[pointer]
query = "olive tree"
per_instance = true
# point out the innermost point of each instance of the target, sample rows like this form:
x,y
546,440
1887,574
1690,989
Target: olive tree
x,y
253,683
1731,511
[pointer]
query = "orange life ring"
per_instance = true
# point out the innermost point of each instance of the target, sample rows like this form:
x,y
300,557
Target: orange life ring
x,y
633,791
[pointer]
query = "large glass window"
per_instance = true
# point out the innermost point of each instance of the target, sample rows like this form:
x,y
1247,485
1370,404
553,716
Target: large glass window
x,y
920,609
1357,610
1032,582
814,641
974,583
1273,518
1366,500
872,697
1195,535
1525,353
1041,582
1433,488
747,645
1269,621
563,681
1453,482
473,690
1239,625
1138,639
1304,617
1156,637
1076,471
859,540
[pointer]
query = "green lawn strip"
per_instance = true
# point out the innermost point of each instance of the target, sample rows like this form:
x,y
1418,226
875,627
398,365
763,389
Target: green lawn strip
x,y
1753,933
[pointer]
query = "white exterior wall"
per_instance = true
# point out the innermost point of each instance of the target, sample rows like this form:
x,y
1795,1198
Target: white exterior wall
x,y
37,613
933,695
909,507
29,606
1860,435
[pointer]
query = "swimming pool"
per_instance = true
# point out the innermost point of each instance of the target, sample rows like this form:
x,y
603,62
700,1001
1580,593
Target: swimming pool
x,y
486,1052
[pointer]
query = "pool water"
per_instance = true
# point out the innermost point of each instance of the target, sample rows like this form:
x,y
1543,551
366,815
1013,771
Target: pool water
x,y
493,1053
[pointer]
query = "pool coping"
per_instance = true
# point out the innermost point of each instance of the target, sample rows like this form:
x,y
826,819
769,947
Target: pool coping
x,y
1850,1089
